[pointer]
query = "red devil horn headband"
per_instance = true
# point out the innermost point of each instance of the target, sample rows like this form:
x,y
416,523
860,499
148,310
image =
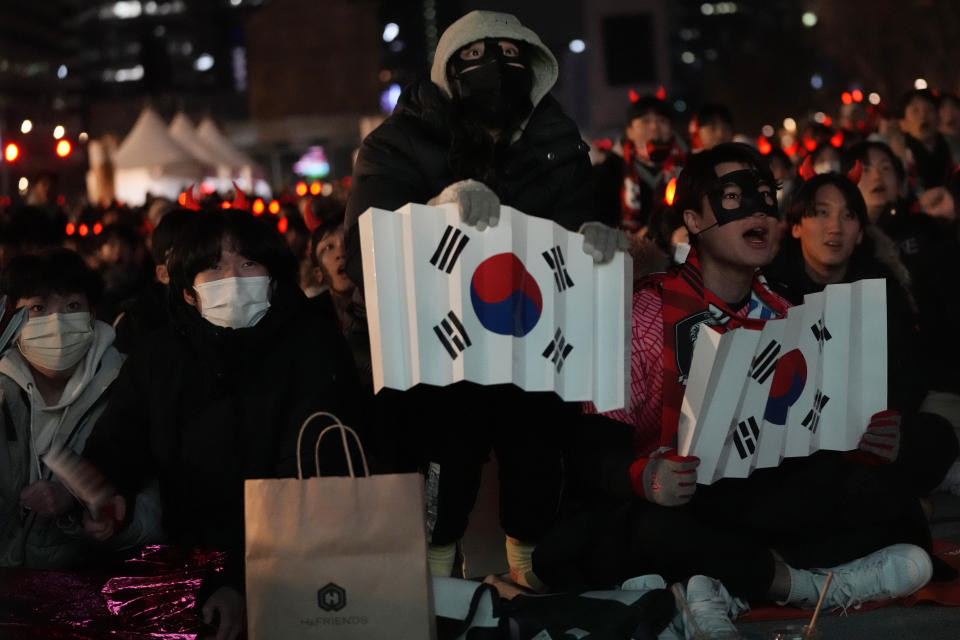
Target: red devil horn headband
x,y
239,199
856,173
188,201
807,171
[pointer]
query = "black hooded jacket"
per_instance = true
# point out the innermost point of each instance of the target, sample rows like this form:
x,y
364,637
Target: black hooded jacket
x,y
544,173
202,408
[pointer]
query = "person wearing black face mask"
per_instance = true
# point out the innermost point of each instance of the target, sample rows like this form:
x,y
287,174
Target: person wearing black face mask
x,y
493,83
481,132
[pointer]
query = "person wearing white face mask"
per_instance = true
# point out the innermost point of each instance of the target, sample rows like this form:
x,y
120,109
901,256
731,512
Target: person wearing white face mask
x,y
54,383
219,395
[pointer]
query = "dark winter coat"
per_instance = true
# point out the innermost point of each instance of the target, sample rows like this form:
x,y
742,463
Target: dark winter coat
x,y
544,173
930,251
202,408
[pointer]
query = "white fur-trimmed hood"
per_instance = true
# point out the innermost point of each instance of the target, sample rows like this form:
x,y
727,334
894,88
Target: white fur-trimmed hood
x,y
478,25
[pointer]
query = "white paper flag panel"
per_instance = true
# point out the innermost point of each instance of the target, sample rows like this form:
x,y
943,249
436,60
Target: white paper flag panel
x,y
807,382
517,303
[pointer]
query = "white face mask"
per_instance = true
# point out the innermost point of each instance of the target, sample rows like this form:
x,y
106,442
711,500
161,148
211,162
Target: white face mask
x,y
57,341
236,303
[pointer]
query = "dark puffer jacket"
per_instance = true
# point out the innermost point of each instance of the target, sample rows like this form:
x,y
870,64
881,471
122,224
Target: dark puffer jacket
x,y
202,408
544,173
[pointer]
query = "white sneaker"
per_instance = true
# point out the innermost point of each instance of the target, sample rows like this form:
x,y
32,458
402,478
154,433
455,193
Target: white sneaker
x,y
709,610
951,481
648,582
893,572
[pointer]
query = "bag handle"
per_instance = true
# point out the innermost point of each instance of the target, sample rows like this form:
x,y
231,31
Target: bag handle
x,y
316,447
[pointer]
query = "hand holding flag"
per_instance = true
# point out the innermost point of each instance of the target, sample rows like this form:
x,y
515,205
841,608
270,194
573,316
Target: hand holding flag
x,y
666,478
600,242
479,205
882,437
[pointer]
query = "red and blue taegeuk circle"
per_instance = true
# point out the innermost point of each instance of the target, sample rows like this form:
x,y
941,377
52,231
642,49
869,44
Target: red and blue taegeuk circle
x,y
505,296
789,379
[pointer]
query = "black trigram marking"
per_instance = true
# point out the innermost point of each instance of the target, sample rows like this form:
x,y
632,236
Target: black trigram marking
x,y
812,419
820,332
745,437
558,350
765,363
554,258
453,337
449,249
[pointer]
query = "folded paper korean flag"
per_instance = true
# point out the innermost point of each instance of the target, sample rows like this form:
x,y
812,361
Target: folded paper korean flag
x,y
517,303
807,382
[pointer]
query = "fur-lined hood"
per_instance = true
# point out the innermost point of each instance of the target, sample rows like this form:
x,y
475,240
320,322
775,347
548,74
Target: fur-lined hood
x,y
478,25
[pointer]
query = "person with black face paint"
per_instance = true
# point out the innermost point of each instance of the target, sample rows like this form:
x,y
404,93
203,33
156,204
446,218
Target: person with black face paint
x,y
481,132
771,537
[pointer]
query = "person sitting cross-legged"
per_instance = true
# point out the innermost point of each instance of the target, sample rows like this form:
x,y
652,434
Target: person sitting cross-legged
x,y
771,537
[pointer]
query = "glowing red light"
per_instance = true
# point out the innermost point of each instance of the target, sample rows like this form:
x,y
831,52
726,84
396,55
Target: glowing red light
x,y
606,144
71,229
634,96
83,230
857,95
11,152
791,150
846,98
764,145
224,205
301,189
809,144
258,207
827,121
97,228
837,139
64,148
274,207
315,189
182,199
670,192
661,93
282,225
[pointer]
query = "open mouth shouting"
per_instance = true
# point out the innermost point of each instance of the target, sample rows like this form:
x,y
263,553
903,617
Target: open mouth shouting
x,y
757,235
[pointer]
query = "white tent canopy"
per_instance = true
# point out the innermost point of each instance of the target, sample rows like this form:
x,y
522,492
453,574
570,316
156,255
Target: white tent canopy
x,y
185,134
150,160
243,167
211,135
149,145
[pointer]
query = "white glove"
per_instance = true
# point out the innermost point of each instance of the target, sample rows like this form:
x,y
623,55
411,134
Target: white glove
x,y
882,437
479,205
600,241
666,478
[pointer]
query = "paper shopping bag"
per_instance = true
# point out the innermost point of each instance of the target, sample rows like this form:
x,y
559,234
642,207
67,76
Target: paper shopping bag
x,y
337,557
